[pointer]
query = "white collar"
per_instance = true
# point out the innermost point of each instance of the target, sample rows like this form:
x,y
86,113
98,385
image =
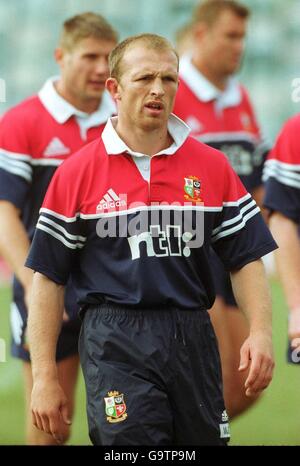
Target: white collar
x,y
61,110
178,130
205,90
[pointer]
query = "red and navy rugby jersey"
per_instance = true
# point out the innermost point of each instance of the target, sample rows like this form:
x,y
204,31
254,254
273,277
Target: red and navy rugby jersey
x,y
146,244
36,136
225,121
282,172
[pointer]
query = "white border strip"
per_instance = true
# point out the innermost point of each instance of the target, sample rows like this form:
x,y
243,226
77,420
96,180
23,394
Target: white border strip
x,y
15,155
62,229
60,237
144,208
234,219
237,227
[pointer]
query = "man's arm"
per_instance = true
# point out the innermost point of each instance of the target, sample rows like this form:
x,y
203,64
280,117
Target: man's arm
x,y
14,244
285,232
252,294
258,195
48,401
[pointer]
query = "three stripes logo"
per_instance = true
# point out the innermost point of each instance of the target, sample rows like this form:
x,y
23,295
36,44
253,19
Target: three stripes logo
x,y
110,201
56,147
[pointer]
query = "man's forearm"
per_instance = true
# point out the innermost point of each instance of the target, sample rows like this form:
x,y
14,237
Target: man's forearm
x,y
44,323
251,290
285,232
252,293
14,242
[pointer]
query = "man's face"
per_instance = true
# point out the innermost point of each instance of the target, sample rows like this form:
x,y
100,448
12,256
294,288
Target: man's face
x,y
223,43
84,69
147,87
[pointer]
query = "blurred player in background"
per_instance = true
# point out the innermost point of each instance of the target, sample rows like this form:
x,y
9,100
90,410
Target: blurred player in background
x,y
218,110
36,136
282,176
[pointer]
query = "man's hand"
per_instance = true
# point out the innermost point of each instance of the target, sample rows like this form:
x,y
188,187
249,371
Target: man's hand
x,y
257,355
49,407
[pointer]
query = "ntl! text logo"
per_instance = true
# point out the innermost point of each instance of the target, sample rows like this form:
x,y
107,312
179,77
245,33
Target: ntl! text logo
x,y
2,91
161,243
2,350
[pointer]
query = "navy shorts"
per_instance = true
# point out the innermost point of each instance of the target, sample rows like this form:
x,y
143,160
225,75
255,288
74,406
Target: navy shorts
x,y
153,377
222,282
67,344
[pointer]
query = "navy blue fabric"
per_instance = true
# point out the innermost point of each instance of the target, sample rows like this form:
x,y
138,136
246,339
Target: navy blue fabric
x,y
104,271
282,198
67,344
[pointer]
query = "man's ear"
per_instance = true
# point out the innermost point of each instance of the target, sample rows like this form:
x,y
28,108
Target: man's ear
x,y
200,30
112,86
58,55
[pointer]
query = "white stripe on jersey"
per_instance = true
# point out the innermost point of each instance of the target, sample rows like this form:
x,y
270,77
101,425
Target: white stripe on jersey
x,y
238,202
282,165
237,227
60,216
287,174
128,211
235,219
47,162
15,155
134,210
60,237
15,165
62,229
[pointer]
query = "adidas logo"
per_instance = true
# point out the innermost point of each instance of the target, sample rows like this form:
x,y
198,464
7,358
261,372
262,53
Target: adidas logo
x,y
56,147
110,201
225,417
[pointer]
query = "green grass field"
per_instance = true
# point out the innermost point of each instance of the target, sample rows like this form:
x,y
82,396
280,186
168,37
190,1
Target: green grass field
x,y
275,420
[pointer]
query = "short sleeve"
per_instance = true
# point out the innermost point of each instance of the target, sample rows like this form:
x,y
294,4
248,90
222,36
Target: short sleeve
x,y
15,158
240,234
59,231
282,173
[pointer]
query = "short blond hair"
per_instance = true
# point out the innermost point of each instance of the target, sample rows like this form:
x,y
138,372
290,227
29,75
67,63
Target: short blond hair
x,y
85,25
150,41
184,38
209,11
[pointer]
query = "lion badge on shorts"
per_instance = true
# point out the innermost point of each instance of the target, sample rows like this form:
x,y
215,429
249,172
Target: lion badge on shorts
x,y
115,407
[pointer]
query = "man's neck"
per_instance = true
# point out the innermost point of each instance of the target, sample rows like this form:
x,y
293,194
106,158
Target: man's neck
x,y
84,105
219,81
143,141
